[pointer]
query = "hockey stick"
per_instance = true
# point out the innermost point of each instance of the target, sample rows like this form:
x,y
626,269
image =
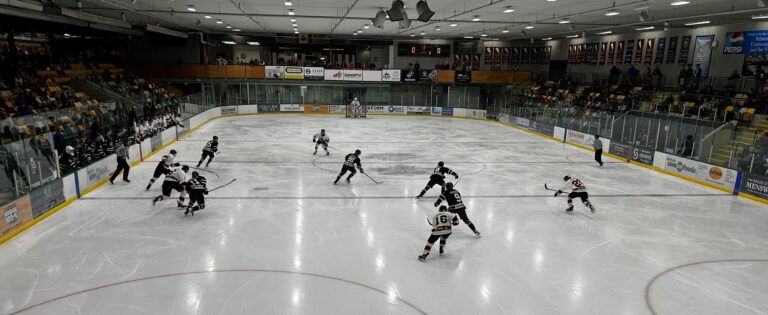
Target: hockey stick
x,y
430,223
222,186
547,188
204,170
457,181
372,179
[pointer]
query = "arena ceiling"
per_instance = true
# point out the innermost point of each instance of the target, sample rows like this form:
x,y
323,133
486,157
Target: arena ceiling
x,y
343,18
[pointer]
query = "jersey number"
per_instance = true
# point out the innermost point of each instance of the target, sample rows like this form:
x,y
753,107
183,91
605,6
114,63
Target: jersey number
x,y
458,197
578,184
443,219
351,159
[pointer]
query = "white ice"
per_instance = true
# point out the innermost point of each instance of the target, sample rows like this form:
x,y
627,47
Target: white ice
x,y
283,240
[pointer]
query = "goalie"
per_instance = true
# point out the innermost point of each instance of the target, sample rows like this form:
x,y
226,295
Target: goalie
x,y
355,109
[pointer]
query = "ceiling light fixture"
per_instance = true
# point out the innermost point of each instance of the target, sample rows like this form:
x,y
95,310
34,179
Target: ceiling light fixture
x,y
508,9
564,21
413,35
236,30
228,42
293,20
229,26
219,21
505,31
295,25
476,18
483,35
529,27
295,32
679,2
551,0
288,3
468,37
366,26
611,13
760,16
645,28
191,8
453,24
422,33
207,16
437,28
696,23
253,43
547,38
573,36
604,33
290,12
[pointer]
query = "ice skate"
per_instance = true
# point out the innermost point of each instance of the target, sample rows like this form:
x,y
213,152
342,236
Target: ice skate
x,y
477,234
569,209
422,258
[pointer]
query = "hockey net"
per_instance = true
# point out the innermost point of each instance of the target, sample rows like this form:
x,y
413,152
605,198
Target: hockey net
x,y
357,111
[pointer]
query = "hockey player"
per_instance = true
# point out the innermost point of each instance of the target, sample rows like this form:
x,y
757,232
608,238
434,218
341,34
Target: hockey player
x,y
197,190
175,180
357,109
321,138
441,229
456,205
578,190
210,148
163,167
351,161
437,178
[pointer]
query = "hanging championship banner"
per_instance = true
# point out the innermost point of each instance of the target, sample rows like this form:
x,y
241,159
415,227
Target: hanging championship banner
x,y
603,51
505,55
672,49
619,52
660,51
514,57
488,55
702,52
534,55
547,54
630,50
611,52
649,51
639,52
525,55
685,48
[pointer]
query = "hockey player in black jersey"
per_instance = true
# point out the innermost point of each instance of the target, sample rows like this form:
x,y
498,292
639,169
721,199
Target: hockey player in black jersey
x,y
163,167
456,205
210,148
175,180
351,161
437,178
197,190
321,139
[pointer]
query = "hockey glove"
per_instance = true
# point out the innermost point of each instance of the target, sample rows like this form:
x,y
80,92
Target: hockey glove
x,y
456,176
362,171
437,203
206,192
176,164
558,193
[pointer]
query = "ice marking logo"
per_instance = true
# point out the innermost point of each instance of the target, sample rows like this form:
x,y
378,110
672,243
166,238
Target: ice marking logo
x,y
11,215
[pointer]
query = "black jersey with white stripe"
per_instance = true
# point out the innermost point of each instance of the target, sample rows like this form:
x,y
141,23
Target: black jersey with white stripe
x,y
352,160
211,146
442,170
453,197
198,184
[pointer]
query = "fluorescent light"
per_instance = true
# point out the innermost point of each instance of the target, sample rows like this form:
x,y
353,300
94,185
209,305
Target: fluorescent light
x,y
236,30
604,33
295,25
228,42
505,31
413,35
67,35
366,26
355,33
422,33
293,20
468,37
483,35
696,23
679,2
551,0
229,26
564,21
529,27
508,10
191,8
573,36
207,16
295,32
290,12
476,18
253,43
645,28
359,31
219,22
547,38
288,3
453,24
611,13
760,16
437,28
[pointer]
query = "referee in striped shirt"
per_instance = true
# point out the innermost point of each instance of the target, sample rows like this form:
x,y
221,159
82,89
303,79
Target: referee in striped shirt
x,y
122,162
598,145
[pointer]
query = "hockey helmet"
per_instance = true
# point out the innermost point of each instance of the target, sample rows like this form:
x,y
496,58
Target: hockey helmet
x,y
322,131
173,152
448,186
185,168
355,98
215,138
195,174
440,164
70,150
443,208
358,152
566,178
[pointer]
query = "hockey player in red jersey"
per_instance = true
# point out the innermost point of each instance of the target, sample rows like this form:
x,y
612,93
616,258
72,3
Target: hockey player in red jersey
x,y
578,190
176,180
441,229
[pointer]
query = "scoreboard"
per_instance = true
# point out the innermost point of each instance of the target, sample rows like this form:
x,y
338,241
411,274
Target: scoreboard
x,y
423,50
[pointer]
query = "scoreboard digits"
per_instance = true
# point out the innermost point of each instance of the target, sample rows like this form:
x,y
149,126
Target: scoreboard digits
x,y
423,50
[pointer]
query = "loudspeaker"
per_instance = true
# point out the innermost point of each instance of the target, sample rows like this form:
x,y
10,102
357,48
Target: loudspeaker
x,y
396,13
404,23
644,16
424,12
380,18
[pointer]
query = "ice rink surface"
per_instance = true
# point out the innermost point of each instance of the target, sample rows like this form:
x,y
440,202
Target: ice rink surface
x,y
283,240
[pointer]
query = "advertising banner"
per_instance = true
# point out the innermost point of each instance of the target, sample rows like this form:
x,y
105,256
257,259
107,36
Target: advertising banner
x,y
525,55
685,48
619,149
749,43
269,108
428,75
514,55
397,110
229,110
619,52
629,52
294,73
314,73
47,197
754,185
337,109
316,109
672,49
97,171
649,51
660,51
410,76
496,55
702,53
733,43
353,75
333,75
390,75
377,109
580,138
717,175
372,75
15,214
291,108
642,155
639,52
542,128
274,72
420,110
504,55
476,113
682,166
437,111
462,77
488,57
519,121
447,111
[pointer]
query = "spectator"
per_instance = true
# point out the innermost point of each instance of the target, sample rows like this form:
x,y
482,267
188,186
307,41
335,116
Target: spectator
x,y
698,75
688,76
59,141
632,74
759,79
613,74
687,149
67,161
657,74
733,80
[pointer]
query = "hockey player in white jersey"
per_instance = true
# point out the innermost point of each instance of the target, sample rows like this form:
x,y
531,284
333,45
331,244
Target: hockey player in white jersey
x,y
176,180
321,139
578,190
163,167
357,109
441,229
